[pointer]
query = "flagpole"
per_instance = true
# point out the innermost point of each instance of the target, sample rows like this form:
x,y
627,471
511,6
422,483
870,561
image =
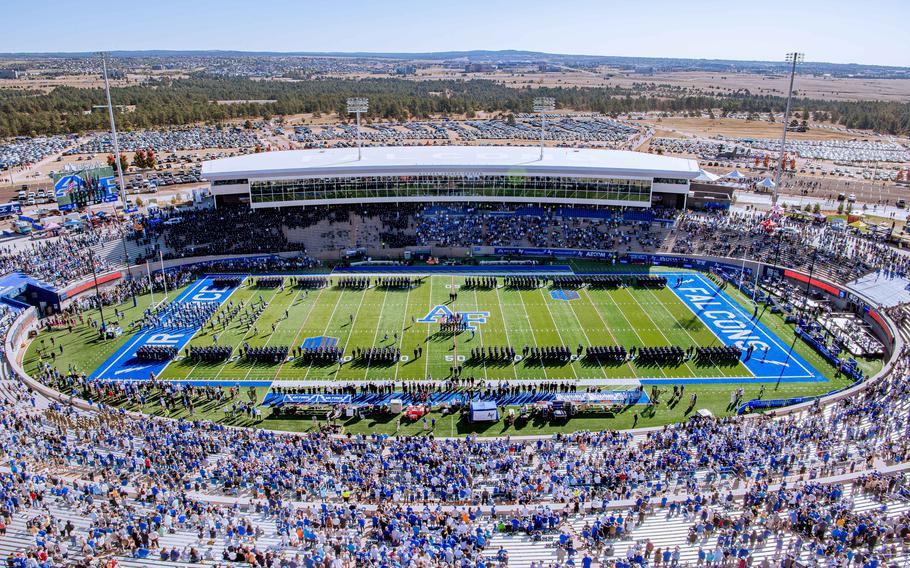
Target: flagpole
x,y
151,284
163,275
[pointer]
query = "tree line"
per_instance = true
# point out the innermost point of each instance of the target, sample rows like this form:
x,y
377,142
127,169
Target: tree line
x,y
167,102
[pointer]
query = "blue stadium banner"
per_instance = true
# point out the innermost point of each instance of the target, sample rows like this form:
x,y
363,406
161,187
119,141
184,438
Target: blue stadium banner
x,y
8,209
329,399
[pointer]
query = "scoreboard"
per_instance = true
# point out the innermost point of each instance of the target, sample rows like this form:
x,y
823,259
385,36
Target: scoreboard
x,y
75,189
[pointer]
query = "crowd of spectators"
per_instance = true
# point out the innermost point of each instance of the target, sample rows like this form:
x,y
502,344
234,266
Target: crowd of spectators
x,y
381,500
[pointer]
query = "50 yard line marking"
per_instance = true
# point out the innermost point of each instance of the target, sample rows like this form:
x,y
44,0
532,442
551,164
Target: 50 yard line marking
x,y
404,319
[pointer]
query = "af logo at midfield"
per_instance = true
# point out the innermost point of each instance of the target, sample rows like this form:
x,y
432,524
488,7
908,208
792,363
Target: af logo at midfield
x,y
440,312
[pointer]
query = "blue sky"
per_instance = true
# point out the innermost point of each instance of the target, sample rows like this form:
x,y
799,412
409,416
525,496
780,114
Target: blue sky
x,y
842,31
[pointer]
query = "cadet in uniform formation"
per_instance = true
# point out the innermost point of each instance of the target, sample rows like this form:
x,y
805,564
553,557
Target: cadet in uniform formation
x,y
524,282
663,355
267,354
353,283
378,354
156,352
606,353
482,282
309,282
210,353
718,354
399,282
318,354
493,353
549,353
270,282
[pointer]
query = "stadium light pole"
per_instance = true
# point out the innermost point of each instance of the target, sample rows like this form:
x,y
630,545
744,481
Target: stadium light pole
x,y
543,105
356,106
120,182
793,59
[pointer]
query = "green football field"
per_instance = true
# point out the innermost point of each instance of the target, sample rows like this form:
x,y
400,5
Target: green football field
x,y
390,317
373,317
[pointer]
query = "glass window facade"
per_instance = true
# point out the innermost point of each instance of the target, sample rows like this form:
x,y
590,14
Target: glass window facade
x,y
674,181
439,187
229,182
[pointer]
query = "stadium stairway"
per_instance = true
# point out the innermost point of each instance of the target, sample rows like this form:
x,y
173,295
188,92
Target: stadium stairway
x,y
112,251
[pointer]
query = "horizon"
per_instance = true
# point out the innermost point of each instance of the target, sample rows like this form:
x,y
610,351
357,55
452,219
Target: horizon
x,y
404,56
582,28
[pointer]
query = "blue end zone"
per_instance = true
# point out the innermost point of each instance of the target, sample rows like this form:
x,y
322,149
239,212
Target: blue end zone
x,y
123,365
735,326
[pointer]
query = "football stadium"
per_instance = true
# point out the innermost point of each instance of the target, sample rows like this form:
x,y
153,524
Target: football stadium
x,y
432,351
456,356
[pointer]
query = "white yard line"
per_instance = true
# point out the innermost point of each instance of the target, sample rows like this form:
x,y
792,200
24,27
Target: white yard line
x,y
632,327
327,324
505,326
223,305
300,329
585,333
245,335
426,371
480,332
404,320
274,333
385,294
667,339
607,327
694,342
556,326
531,327
350,333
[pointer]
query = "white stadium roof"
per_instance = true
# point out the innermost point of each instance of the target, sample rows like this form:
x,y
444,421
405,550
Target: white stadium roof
x,y
404,160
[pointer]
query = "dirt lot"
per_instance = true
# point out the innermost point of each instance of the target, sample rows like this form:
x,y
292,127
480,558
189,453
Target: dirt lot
x,y
806,85
87,81
679,127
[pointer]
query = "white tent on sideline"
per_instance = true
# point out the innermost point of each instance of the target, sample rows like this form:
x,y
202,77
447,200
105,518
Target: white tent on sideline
x,y
706,176
766,183
735,174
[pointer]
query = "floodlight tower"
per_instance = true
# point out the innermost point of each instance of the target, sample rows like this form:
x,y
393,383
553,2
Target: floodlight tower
x,y
793,59
120,183
543,105
358,105
110,114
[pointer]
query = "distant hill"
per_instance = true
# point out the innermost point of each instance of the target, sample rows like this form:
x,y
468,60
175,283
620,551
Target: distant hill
x,y
638,64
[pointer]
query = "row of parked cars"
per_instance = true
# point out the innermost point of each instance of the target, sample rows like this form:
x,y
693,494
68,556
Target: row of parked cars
x,y
31,197
139,183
